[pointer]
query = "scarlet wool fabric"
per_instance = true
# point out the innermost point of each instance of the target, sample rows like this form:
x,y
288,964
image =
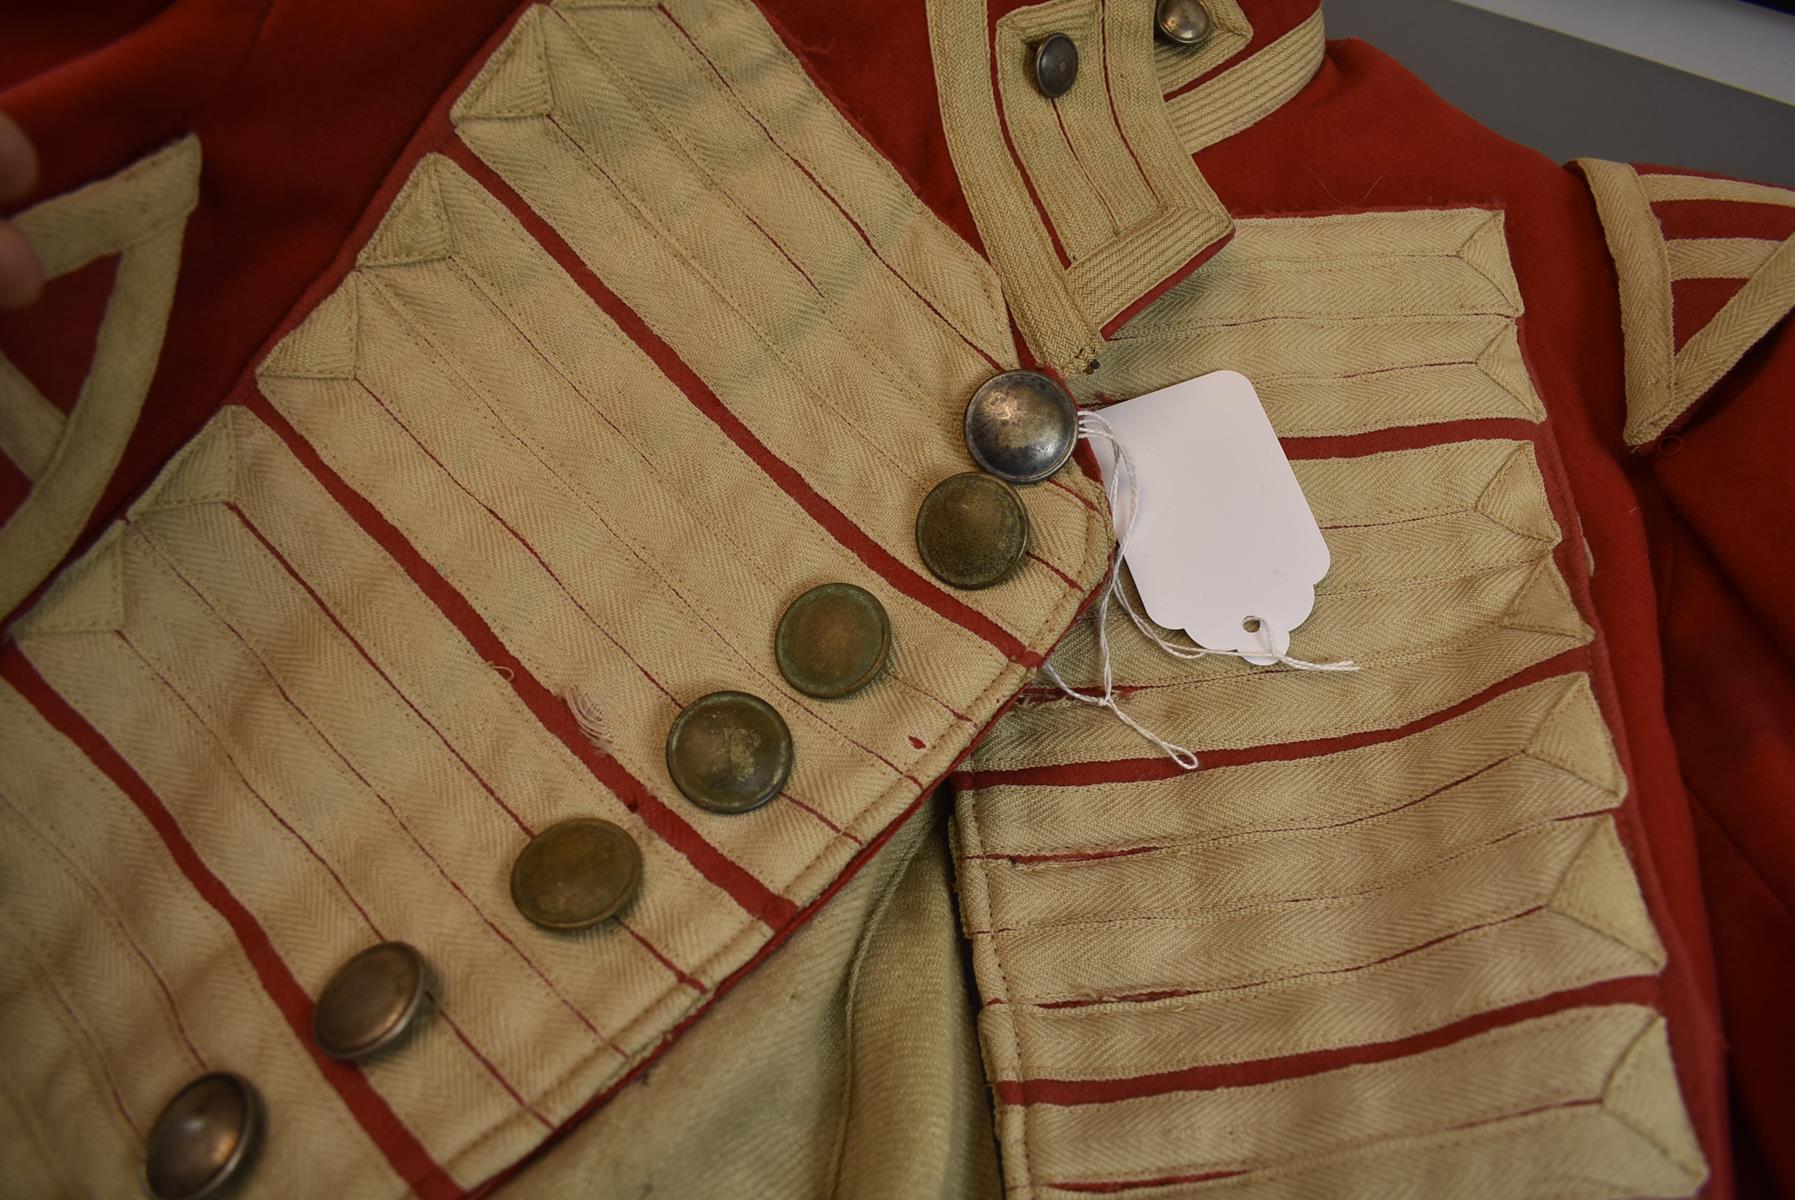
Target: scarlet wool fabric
x,y
351,151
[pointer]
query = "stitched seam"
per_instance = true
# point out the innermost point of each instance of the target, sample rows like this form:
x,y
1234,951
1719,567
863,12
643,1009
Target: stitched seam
x,y
248,981
874,917
1388,883
27,1114
1004,1011
1096,530
670,491
95,1063
1160,329
1642,267
343,767
767,343
167,1008
671,134
938,304
47,523
868,342
1271,900
1078,1006
1487,1046
894,181
349,777
1179,848
1750,314
495,420
1242,95
1230,32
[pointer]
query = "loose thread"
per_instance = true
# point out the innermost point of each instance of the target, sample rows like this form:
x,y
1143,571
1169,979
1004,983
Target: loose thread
x,y
1093,427
586,715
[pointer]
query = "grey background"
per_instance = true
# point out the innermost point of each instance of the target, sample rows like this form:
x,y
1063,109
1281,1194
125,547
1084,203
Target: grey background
x,y
1568,98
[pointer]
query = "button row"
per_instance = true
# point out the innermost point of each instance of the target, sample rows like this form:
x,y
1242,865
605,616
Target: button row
x,y
728,752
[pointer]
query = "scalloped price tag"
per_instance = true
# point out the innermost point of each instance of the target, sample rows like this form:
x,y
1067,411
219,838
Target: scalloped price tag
x,y
1224,546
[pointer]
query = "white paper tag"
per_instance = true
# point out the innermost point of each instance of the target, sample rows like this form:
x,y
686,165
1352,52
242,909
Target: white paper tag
x,y
1224,540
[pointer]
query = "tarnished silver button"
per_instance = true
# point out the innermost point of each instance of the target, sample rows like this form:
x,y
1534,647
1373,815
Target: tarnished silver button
x,y
1056,65
729,752
203,1138
371,1002
1021,426
972,530
576,873
1185,22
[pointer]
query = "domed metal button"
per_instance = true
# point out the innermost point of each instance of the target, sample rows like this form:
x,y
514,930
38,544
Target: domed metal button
x,y
832,641
371,1002
1185,22
729,752
576,873
1021,426
1056,65
972,530
203,1138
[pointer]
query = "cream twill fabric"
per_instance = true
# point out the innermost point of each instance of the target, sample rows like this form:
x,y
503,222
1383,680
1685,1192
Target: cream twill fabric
x,y
642,340
320,667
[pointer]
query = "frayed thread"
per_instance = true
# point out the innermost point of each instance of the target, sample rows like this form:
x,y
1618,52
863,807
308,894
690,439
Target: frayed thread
x,y
586,715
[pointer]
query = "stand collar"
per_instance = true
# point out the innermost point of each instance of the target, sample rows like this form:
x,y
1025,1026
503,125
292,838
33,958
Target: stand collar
x,y
1091,204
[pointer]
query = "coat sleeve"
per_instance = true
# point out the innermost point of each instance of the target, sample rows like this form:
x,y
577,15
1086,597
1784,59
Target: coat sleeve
x,y
1706,270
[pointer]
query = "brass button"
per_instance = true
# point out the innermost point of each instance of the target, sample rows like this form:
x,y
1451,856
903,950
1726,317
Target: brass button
x,y
203,1138
832,641
1185,22
972,530
729,752
1056,65
1021,426
370,1002
576,873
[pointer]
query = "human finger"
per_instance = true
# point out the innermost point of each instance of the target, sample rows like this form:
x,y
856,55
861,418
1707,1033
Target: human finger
x,y
18,160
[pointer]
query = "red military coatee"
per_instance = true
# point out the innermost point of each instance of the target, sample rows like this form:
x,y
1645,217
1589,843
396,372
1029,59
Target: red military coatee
x,y
435,410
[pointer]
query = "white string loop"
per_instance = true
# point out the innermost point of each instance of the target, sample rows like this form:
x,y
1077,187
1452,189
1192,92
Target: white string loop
x,y
1093,427
1182,756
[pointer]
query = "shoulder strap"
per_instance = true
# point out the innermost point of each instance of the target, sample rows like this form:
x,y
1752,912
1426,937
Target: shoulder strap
x,y
1706,267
